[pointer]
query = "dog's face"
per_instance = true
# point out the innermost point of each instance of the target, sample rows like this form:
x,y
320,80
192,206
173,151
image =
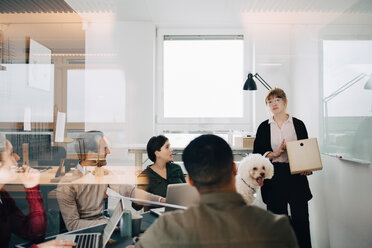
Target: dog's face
x,y
255,168
258,174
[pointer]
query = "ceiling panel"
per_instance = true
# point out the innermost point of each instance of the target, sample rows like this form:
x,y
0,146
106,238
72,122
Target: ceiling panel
x,y
34,6
180,10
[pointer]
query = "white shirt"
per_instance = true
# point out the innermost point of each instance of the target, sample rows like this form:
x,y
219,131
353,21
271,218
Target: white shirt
x,y
287,132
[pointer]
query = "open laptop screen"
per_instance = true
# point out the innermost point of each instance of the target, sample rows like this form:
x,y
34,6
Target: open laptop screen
x,y
182,194
111,224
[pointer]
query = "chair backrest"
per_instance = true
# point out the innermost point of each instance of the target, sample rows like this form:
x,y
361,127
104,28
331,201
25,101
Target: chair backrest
x,y
38,148
58,153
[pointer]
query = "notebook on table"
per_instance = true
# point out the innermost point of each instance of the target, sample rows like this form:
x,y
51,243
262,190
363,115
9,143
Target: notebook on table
x,y
303,155
97,239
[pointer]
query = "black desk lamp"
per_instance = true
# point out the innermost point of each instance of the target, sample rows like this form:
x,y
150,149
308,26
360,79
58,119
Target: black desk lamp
x,y
250,84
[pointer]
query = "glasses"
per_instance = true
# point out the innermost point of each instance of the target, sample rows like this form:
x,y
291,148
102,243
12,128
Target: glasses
x,y
275,100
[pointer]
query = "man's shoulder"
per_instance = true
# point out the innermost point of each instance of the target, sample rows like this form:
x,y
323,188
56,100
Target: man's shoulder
x,y
178,219
81,188
166,226
178,215
247,225
263,214
276,225
200,211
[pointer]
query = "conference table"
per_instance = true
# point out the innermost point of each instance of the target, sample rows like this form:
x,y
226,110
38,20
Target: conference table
x,y
113,175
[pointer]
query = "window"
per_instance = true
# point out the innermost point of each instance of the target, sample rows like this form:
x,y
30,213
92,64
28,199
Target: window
x,y
201,80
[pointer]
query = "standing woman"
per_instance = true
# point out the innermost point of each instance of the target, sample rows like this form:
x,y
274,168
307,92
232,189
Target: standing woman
x,y
156,177
284,188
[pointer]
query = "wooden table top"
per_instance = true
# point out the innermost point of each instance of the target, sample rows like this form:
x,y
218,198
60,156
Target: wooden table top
x,y
113,175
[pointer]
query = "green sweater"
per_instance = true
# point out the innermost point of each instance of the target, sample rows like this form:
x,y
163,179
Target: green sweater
x,y
152,182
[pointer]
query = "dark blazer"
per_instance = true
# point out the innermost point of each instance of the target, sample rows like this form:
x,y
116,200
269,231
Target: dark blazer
x,y
262,143
283,184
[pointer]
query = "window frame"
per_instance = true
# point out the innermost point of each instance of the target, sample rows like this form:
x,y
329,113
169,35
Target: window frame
x,y
195,124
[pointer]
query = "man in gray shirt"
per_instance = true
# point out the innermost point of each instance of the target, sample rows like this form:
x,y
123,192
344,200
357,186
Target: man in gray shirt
x,y
81,205
222,218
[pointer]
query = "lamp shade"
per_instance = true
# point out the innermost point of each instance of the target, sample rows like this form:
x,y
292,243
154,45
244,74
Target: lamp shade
x,y
250,84
368,85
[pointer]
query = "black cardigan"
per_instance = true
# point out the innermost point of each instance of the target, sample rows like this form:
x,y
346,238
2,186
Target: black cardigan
x,y
296,185
262,143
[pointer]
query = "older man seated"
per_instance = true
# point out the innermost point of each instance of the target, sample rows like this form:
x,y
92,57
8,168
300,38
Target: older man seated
x,y
82,205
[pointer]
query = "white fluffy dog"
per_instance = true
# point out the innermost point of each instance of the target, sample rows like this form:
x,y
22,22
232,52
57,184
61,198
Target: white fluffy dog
x,y
251,174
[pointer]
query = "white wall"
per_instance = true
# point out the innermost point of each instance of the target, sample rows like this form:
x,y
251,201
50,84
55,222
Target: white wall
x,y
305,88
129,47
348,202
340,209
272,60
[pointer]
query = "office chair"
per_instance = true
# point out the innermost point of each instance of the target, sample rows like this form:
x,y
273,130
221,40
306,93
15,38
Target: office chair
x,y
58,153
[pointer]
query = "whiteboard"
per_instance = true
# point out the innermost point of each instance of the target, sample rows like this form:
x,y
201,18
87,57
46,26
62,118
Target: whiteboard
x,y
347,104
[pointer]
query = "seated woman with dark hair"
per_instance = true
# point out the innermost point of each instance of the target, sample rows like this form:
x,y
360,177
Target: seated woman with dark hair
x,y
156,177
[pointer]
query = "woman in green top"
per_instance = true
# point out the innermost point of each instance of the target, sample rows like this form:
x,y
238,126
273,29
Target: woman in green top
x,y
156,177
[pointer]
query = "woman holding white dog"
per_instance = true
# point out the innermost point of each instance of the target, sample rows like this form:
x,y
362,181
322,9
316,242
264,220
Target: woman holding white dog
x,y
284,188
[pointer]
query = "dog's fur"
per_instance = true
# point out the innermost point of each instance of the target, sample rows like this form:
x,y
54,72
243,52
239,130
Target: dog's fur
x,y
251,174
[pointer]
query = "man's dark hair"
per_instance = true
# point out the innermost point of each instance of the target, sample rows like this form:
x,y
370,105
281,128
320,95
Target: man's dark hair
x,y
155,144
88,142
209,161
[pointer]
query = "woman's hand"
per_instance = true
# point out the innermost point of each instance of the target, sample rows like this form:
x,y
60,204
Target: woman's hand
x,y
31,177
57,243
306,173
278,152
281,148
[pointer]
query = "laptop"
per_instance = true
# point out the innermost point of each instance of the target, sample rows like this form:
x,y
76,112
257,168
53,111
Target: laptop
x,y
303,155
97,239
182,194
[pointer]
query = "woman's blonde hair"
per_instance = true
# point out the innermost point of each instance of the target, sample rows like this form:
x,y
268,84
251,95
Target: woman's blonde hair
x,y
276,92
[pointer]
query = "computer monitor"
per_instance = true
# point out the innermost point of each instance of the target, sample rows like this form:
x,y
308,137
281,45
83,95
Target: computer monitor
x,y
40,145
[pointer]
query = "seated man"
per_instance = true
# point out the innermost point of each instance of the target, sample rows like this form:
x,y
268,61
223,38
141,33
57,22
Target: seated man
x,y
222,218
82,205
